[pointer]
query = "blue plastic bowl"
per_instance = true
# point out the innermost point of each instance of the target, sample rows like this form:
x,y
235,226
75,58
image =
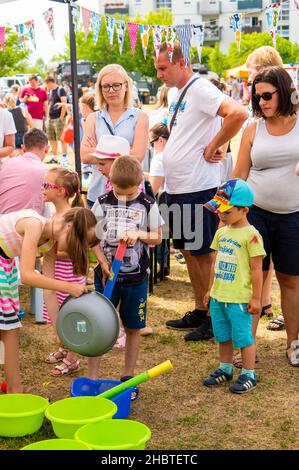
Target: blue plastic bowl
x,y
87,387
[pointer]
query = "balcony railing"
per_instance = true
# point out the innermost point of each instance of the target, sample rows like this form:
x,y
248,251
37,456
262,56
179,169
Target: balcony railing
x,y
250,4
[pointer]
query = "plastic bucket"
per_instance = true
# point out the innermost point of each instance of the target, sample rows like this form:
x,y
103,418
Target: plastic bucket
x,y
68,415
87,387
114,434
21,414
57,444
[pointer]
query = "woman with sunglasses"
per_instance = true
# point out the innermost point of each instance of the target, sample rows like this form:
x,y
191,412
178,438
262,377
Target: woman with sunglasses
x,y
116,116
267,159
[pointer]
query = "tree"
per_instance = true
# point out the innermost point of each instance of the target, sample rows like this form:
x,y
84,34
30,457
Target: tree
x,y
13,57
217,61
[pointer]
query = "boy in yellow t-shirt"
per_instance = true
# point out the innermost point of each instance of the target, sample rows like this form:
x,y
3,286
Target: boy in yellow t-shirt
x,y
236,283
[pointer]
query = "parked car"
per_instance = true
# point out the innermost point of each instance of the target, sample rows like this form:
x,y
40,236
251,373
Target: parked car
x,y
7,82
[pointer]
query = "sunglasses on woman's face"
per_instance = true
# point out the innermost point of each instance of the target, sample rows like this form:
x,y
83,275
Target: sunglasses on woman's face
x,y
153,141
267,96
53,186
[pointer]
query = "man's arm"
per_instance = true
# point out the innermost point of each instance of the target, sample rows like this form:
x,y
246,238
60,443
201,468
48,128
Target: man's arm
x,y
46,108
8,146
233,116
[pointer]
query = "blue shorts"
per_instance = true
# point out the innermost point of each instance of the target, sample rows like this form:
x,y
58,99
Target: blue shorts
x,y
231,322
188,215
280,234
132,301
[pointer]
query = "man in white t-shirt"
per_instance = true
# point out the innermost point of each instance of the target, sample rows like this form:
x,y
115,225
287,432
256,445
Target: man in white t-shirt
x,y
7,133
191,161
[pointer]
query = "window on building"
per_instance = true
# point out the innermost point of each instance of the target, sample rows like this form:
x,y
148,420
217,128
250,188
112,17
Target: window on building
x,y
187,21
283,31
164,4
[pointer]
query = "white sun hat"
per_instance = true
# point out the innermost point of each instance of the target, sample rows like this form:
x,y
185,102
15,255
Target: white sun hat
x,y
111,146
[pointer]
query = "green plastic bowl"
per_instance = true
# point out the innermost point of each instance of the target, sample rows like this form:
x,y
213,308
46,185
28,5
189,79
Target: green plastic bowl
x,y
21,414
114,434
70,414
56,444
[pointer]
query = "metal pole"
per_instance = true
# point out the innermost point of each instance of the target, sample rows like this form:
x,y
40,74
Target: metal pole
x,y
75,100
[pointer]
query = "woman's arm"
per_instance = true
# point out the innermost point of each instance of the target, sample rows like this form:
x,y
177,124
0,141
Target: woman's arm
x,y
140,141
156,182
8,146
89,141
244,162
28,117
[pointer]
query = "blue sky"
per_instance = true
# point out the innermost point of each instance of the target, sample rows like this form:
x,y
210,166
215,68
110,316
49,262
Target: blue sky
x,y
20,11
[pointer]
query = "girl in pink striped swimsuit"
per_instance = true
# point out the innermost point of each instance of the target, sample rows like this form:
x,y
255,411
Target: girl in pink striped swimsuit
x,y
60,187
27,234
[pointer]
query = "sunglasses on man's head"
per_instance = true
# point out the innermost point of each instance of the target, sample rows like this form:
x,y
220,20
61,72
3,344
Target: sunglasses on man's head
x,y
267,96
153,141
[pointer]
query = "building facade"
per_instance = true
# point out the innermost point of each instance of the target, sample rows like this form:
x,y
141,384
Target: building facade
x,y
215,14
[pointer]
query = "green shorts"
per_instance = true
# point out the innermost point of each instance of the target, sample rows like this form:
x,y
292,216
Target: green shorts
x,y
54,128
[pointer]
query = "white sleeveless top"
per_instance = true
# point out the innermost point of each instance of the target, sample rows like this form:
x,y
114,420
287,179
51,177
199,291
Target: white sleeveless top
x,y
272,175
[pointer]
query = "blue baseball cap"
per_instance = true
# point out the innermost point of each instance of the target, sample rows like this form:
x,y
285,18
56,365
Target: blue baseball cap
x,y
232,193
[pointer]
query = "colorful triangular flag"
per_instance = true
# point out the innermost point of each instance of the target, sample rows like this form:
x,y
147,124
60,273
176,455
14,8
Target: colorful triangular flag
x,y
120,27
96,21
157,37
199,32
31,31
49,19
144,30
110,23
2,37
86,14
184,32
133,33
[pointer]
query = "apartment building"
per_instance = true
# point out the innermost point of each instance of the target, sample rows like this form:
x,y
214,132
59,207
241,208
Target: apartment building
x,y
215,14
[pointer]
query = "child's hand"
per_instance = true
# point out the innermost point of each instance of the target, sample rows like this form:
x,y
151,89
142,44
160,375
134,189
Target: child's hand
x,y
130,237
106,273
254,306
206,299
76,289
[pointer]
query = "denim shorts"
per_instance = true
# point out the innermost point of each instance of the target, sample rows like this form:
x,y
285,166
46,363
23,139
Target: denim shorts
x,y
132,301
190,214
280,234
231,322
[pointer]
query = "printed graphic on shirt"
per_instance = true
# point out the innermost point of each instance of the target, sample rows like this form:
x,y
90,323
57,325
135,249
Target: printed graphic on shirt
x,y
181,110
226,261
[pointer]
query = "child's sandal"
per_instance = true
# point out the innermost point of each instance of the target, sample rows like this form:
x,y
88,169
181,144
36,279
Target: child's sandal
x,y
293,356
66,368
56,356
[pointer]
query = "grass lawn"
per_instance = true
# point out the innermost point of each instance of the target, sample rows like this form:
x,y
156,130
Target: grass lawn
x,y
181,413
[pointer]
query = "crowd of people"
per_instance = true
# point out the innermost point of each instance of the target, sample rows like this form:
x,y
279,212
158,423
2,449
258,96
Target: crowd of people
x,y
230,261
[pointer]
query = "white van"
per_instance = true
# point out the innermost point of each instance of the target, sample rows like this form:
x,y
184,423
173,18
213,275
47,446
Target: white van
x,y
7,82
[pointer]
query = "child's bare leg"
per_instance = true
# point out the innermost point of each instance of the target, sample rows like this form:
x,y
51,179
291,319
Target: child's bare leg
x,y
248,357
132,350
226,352
93,367
11,360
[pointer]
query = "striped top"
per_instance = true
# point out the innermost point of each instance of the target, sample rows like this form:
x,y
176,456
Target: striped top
x,y
11,241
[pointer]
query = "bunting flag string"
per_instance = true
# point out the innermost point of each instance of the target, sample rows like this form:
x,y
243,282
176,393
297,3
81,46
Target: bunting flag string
x,y
184,32
20,28
86,15
199,32
170,38
2,37
96,21
75,14
120,27
49,19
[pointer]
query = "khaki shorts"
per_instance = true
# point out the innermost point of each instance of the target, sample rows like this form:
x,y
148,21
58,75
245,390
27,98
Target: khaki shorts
x,y
54,128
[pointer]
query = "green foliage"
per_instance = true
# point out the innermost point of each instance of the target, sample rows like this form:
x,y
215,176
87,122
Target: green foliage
x,y
217,61
13,57
40,67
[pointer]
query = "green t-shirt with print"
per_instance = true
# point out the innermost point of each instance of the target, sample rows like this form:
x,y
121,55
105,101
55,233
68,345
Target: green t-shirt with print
x,y
235,247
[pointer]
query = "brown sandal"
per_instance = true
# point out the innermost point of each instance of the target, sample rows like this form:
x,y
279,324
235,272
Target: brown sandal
x,y
238,363
56,356
66,368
